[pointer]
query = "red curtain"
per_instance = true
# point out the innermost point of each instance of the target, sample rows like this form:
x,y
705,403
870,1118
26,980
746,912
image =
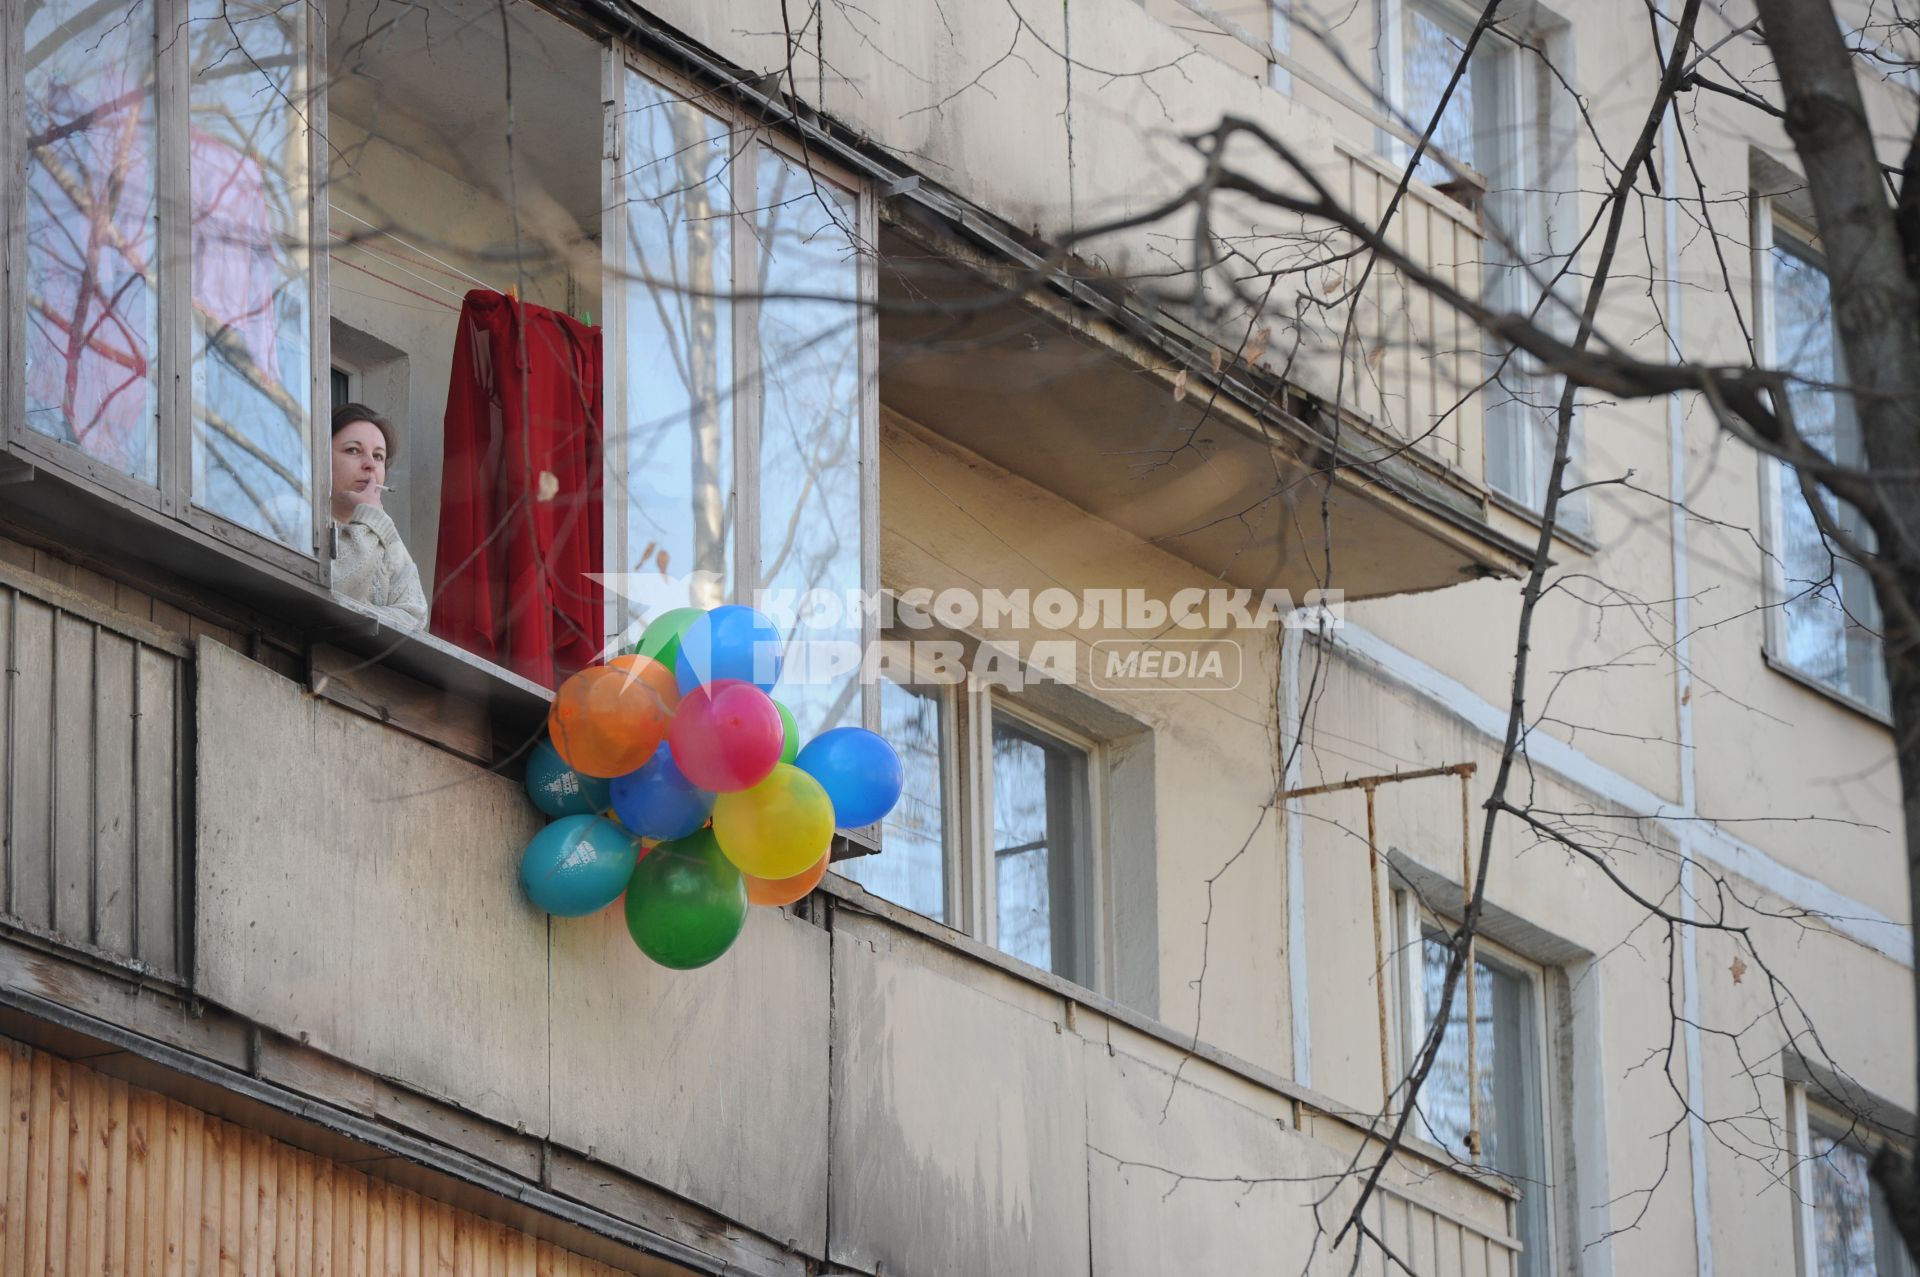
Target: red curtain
x,y
520,513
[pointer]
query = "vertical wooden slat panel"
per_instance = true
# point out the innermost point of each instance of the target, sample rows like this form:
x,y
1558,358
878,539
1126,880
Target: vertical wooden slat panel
x,y
1446,1248
31,814
410,1235
73,734
97,1176
143,1141
1476,1253
249,1252
213,1152
10,1206
39,1164
117,1259
376,1226
193,1192
10,673
326,1224
357,1225
267,1195
113,814
59,1149
79,1159
286,1223
174,1199
155,885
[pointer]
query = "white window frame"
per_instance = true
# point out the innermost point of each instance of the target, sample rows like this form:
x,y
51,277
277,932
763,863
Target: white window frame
x,y
1777,482
746,135
1802,1114
169,500
1412,921
1091,939
970,878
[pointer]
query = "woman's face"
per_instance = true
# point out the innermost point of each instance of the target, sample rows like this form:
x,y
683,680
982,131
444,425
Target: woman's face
x,y
359,461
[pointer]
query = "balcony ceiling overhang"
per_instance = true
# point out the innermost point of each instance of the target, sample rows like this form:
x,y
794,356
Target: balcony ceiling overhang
x,y
1078,397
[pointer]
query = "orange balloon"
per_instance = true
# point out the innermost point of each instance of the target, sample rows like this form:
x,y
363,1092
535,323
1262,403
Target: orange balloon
x,y
608,719
784,891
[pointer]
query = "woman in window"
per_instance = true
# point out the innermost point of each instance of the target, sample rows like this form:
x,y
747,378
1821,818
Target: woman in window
x,y
370,564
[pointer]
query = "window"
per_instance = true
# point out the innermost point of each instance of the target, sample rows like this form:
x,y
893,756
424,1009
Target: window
x,y
1503,1084
167,214
1825,625
999,830
1844,1227
1500,124
738,266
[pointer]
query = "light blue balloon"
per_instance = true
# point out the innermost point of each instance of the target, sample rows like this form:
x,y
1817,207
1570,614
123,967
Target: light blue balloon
x,y
578,865
558,790
729,642
859,771
658,802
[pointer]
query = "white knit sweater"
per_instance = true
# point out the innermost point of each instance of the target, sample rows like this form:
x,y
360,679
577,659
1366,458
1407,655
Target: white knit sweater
x,y
371,566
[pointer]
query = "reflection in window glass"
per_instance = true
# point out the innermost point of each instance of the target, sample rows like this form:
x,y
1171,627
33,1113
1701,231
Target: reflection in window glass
x,y
1039,848
252,316
911,869
1508,1070
1832,617
91,307
674,443
1852,1233
1433,51
804,235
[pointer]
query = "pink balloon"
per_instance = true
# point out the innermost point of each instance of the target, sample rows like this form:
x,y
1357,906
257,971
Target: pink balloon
x,y
726,736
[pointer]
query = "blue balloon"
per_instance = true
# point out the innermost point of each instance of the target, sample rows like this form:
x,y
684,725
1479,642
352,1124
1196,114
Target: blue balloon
x,y
658,802
558,790
859,771
578,865
729,642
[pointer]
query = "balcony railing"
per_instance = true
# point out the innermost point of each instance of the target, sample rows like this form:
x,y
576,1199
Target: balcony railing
x,y
95,761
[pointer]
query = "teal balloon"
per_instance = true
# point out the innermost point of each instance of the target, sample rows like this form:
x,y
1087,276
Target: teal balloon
x,y
558,790
578,865
686,903
661,639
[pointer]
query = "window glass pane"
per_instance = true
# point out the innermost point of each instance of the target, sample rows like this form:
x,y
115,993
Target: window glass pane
x,y
911,868
1832,618
1842,1209
1507,1059
1038,841
804,236
670,453
252,308
91,305
1471,130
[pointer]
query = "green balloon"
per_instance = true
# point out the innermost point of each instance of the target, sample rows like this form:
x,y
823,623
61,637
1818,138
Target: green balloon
x,y
790,746
686,902
661,640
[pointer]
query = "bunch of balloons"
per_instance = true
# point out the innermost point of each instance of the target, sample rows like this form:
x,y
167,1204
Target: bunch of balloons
x,y
678,780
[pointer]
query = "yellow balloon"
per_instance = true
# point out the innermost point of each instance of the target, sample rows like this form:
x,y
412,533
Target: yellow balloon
x,y
777,829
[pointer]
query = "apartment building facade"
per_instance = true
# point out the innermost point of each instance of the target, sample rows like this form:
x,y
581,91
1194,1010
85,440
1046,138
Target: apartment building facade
x,y
886,302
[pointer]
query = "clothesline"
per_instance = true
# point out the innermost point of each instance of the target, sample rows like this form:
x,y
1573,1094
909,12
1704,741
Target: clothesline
x,y
447,268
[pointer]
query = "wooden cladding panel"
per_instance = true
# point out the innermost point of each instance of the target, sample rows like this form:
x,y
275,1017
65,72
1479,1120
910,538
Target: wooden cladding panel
x,y
97,1176
91,724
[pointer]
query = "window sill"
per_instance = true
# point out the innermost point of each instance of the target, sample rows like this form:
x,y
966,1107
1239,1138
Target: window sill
x,y
1834,694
